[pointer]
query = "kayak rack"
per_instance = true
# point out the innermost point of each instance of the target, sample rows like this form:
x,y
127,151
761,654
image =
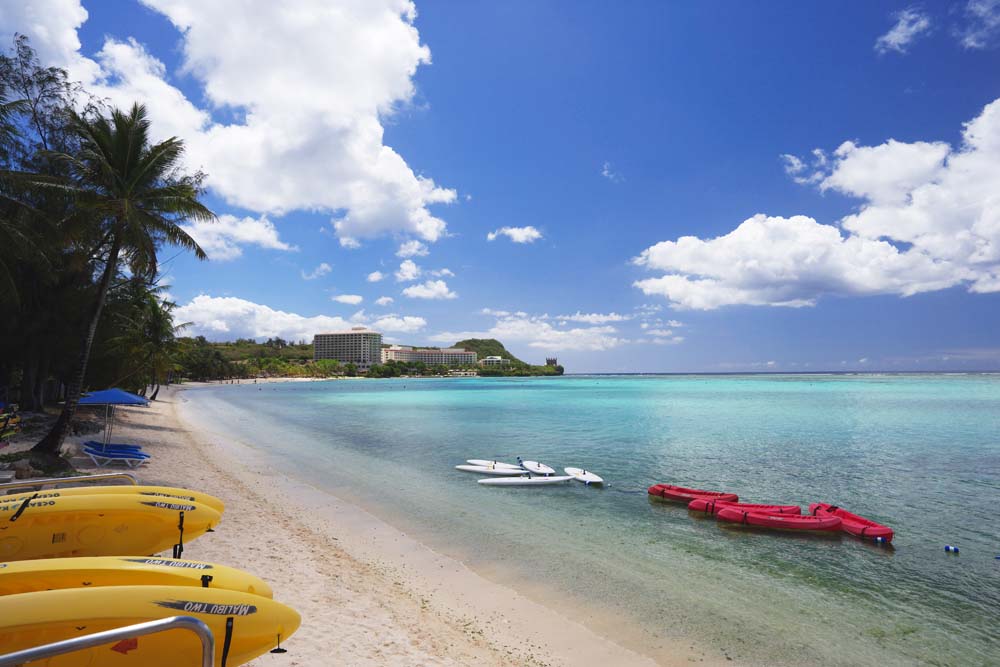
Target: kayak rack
x,y
189,623
7,487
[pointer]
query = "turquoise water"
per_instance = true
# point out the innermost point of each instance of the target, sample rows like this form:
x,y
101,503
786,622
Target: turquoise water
x,y
918,452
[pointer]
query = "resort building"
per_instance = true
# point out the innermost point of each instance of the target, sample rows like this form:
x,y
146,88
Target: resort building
x,y
494,361
359,346
452,356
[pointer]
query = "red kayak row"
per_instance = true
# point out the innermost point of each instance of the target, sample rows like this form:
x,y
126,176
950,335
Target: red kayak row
x,y
726,507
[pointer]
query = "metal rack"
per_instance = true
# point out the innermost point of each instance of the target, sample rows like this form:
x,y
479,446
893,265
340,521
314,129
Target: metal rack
x,y
7,487
106,637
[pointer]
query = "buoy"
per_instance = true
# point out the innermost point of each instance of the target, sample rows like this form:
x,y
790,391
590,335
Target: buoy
x,y
880,540
950,549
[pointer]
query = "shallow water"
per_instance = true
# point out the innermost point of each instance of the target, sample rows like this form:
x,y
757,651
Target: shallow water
x,y
918,452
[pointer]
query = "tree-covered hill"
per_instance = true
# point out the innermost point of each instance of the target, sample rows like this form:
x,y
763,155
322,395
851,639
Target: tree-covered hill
x,y
488,347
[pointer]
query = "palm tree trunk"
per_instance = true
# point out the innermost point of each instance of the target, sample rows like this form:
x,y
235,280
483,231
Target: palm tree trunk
x,y
53,440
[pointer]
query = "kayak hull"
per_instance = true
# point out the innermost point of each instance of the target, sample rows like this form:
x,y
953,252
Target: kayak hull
x,y
681,494
584,476
493,464
484,470
711,506
108,525
49,574
793,522
854,524
164,493
258,624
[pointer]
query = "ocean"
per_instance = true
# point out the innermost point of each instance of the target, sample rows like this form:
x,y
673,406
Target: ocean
x,y
920,453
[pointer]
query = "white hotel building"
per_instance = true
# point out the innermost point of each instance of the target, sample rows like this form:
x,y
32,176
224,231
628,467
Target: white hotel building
x,y
359,346
452,356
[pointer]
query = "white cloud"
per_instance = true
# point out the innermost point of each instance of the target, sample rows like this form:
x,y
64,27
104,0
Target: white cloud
x,y
224,238
375,276
442,273
229,318
674,323
983,24
306,88
672,340
384,300
929,219
320,271
398,323
516,234
538,332
431,289
408,270
910,24
594,318
412,249
351,299
608,173
660,333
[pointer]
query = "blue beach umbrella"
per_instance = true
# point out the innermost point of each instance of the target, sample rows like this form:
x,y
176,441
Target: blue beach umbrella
x,y
111,399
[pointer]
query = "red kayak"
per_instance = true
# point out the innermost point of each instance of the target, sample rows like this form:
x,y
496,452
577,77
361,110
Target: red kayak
x,y
685,495
854,524
710,506
783,521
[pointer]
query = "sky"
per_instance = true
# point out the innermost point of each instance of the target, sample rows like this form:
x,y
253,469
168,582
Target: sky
x,y
637,187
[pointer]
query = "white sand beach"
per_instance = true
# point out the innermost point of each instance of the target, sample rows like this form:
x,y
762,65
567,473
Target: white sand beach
x,y
368,593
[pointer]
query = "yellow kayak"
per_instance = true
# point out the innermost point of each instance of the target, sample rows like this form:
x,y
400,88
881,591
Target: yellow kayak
x,y
168,492
258,624
29,576
110,525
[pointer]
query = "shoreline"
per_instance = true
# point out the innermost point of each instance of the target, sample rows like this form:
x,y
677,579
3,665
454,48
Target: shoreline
x,y
352,575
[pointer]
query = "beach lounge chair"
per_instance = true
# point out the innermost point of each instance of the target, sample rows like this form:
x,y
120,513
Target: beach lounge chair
x,y
113,446
102,458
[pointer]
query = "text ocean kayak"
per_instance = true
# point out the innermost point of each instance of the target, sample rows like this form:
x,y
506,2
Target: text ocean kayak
x,y
711,506
852,523
781,521
684,495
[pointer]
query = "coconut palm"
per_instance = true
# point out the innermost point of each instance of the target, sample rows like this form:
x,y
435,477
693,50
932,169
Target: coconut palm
x,y
129,190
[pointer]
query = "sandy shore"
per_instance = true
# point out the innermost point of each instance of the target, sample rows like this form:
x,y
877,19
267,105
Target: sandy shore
x,y
368,593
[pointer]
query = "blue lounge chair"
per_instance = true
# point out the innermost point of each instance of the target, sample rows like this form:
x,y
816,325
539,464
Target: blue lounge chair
x,y
113,446
103,458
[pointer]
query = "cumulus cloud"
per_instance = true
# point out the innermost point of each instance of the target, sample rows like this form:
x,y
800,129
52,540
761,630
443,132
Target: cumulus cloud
x,y
593,318
399,323
516,234
229,318
538,332
982,27
224,238
305,89
320,271
351,299
375,276
910,24
929,219
384,300
442,273
408,271
412,249
431,289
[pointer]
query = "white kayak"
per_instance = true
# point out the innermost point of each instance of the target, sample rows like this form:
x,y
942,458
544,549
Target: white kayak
x,y
484,470
581,475
536,467
525,481
492,464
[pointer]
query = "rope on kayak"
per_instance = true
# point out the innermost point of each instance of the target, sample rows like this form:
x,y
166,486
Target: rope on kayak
x,y
24,506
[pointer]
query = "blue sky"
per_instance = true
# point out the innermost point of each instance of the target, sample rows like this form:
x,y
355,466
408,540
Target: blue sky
x,y
338,135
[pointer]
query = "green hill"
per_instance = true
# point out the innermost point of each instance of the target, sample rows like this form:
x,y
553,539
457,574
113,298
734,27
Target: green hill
x,y
488,347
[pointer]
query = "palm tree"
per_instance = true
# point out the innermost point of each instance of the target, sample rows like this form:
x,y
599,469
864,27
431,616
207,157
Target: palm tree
x,y
131,191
